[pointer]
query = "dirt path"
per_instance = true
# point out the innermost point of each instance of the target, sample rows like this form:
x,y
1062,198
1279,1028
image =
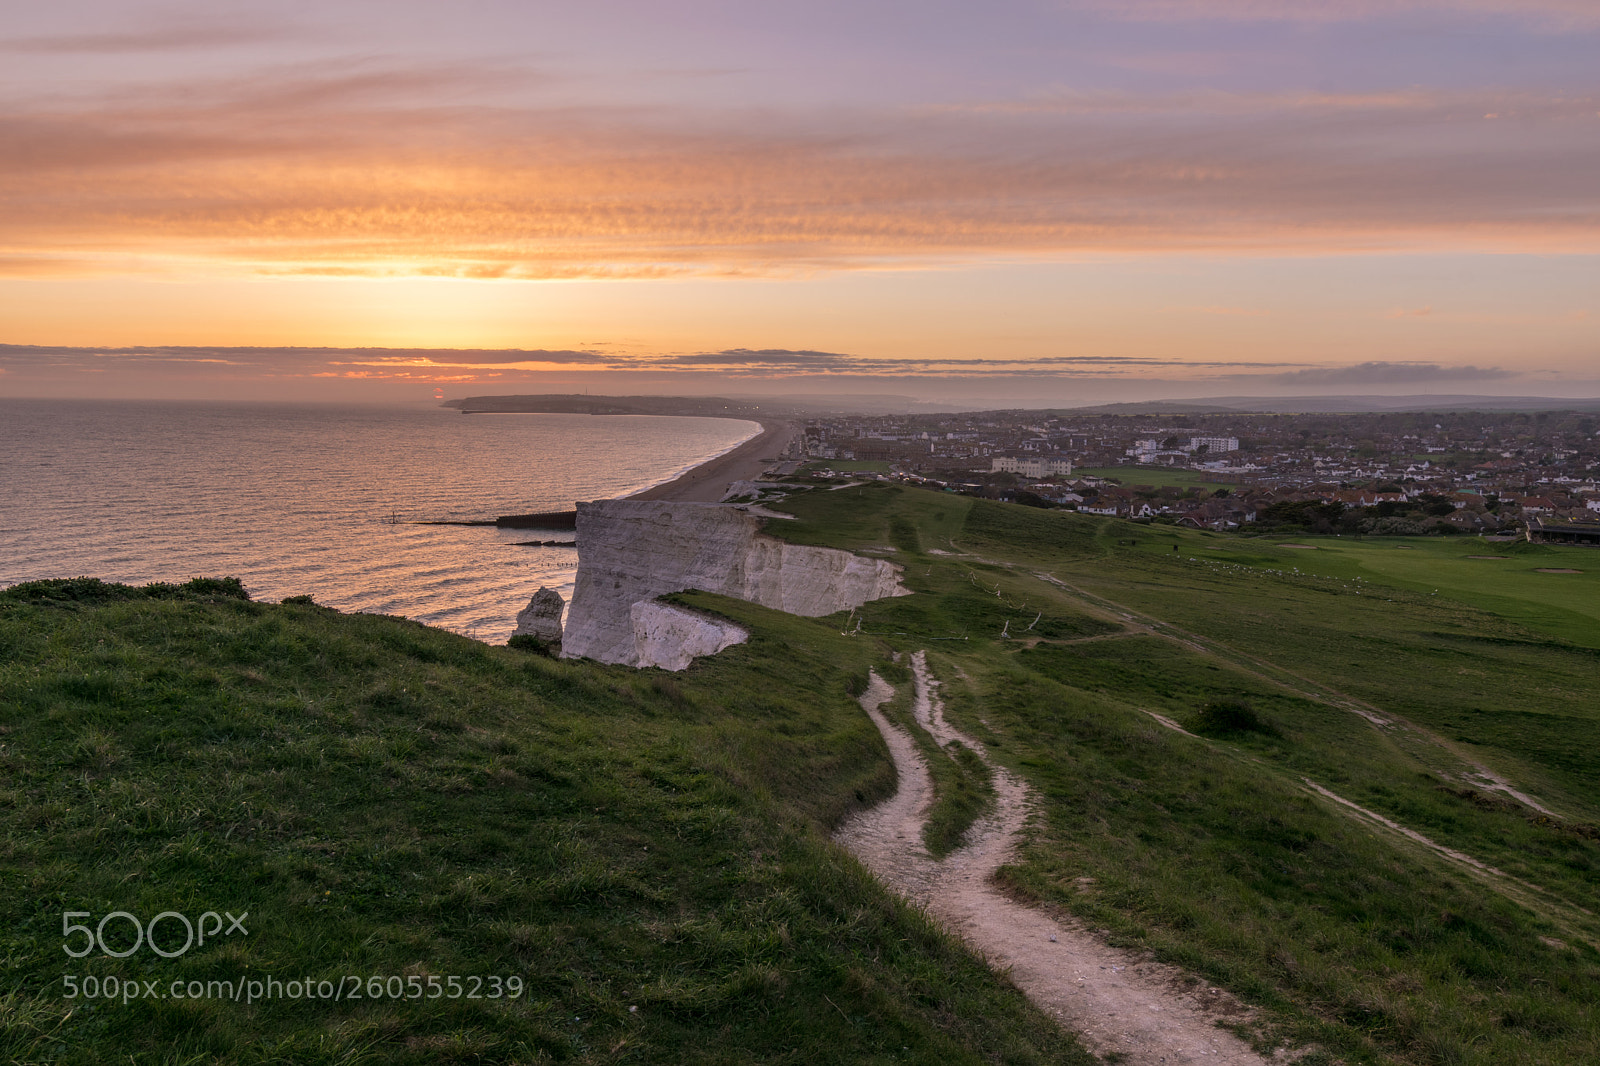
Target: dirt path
x,y
1121,1003
888,838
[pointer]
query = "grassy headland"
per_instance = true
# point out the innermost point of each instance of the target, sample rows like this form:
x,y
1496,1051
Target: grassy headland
x,y
1230,747
646,853
1367,808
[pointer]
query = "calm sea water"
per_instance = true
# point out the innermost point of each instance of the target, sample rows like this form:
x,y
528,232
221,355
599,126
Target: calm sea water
x,y
320,500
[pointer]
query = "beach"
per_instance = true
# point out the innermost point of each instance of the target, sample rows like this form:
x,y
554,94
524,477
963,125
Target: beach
x,y
708,482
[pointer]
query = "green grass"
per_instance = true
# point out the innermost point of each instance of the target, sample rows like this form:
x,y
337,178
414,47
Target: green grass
x,y
386,798
1561,605
847,466
645,852
1513,695
1156,477
962,784
1213,852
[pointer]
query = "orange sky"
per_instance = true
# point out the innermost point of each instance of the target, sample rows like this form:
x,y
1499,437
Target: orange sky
x,y
1113,200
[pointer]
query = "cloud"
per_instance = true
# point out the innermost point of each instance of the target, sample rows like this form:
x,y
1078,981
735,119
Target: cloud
x,y
1386,373
45,266
767,357
1221,311
1415,312
791,362
542,370
467,364
360,173
166,35
281,358
1557,13
478,357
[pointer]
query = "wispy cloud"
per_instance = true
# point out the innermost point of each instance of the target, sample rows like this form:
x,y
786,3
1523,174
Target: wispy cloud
x,y
1386,373
163,35
537,369
1559,13
468,364
1221,311
358,173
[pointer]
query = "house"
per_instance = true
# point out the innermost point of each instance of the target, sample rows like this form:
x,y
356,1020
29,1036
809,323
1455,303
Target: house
x,y
1041,467
1363,497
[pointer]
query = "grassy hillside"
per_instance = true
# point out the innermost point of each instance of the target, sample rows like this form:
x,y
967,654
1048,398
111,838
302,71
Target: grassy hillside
x,y
1366,807
1521,582
643,855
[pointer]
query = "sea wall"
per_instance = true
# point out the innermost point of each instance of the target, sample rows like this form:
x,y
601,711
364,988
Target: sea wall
x,y
631,551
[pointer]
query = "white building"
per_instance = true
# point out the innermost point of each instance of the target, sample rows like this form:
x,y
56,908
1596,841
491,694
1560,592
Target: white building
x,y
1214,445
1030,467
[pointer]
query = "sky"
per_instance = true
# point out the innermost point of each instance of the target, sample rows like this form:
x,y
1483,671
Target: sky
x,y
1024,202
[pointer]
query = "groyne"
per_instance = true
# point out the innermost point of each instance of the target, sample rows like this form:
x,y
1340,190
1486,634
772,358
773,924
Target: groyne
x,y
537,520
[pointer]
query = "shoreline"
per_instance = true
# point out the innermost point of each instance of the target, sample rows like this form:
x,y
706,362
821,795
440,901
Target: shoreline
x,y
707,482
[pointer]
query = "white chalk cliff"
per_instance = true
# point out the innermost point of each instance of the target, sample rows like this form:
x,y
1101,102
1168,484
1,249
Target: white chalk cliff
x,y
673,637
631,551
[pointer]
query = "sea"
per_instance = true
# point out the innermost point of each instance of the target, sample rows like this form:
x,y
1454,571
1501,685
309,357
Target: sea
x,y
322,500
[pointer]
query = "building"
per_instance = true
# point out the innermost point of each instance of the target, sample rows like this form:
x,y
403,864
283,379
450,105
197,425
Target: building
x,y
1213,445
1031,467
1542,532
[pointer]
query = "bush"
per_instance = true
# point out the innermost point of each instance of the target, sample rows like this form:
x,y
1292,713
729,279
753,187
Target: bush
x,y
1392,527
90,592
1226,717
529,642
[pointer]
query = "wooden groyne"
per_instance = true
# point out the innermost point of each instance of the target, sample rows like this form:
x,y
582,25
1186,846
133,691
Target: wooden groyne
x,y
540,520
537,520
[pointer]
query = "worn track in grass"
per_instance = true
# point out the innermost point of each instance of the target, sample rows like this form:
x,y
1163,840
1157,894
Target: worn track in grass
x,y
1122,1003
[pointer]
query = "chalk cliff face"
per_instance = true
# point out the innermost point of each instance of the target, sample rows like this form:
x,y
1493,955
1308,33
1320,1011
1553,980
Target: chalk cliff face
x,y
672,637
635,550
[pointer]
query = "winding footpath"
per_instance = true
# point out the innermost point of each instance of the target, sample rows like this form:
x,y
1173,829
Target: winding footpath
x,y
1119,1002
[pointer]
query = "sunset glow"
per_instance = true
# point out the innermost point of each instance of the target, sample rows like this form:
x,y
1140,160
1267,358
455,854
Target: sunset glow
x,y
1124,199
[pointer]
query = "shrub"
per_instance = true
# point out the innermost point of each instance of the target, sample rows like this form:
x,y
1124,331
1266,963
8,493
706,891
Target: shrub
x,y
1224,717
529,642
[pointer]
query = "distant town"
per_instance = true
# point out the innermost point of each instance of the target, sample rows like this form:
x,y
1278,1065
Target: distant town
x,y
1530,474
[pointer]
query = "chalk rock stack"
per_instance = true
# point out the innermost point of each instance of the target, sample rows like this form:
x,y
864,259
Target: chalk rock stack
x,y
541,619
631,551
